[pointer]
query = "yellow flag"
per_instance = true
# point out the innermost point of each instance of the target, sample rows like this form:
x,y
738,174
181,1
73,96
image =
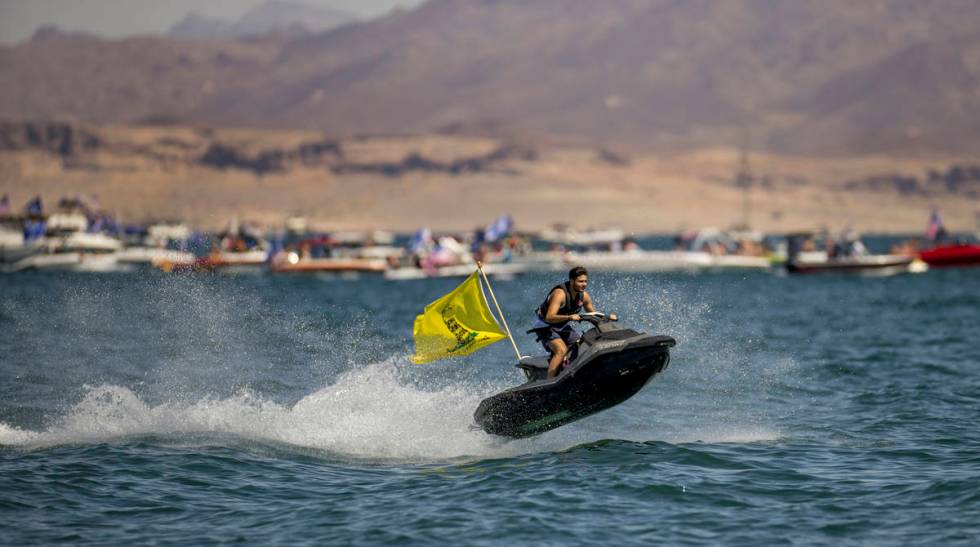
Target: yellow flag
x,y
456,324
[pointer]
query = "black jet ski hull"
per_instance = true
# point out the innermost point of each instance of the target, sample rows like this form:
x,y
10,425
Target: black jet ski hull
x,y
606,380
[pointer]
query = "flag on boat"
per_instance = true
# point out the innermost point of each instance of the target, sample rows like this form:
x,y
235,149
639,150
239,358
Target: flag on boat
x,y
34,207
421,241
935,229
457,324
500,227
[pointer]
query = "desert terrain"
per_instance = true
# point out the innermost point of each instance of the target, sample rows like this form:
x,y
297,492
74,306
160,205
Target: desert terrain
x,y
208,176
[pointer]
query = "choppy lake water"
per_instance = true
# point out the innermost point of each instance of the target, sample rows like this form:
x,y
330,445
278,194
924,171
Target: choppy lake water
x,y
143,408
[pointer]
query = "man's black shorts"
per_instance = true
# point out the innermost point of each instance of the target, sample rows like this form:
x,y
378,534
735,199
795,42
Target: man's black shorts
x,y
547,334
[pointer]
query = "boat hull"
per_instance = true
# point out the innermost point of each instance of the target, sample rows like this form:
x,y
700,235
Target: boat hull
x,y
876,265
497,270
640,261
952,256
339,265
71,262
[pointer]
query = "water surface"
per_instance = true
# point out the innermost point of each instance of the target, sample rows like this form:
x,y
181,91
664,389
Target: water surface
x,y
145,408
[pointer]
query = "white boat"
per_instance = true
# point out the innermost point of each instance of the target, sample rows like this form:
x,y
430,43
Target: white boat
x,y
643,261
292,262
848,256
497,270
867,266
384,252
739,262
241,249
541,261
72,261
570,236
150,255
337,253
371,238
161,243
67,246
448,257
639,260
608,250
13,245
715,249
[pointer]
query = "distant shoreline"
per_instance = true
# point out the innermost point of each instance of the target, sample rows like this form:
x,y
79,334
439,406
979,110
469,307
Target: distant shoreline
x,y
207,177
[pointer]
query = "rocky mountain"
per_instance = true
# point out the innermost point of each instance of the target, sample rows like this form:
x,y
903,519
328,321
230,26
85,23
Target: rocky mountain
x,y
272,16
827,76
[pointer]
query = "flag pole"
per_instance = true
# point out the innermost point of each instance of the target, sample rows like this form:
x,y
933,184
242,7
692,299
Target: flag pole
x,y
479,266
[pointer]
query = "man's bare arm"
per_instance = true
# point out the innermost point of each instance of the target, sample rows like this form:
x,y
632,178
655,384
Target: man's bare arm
x,y
554,303
587,303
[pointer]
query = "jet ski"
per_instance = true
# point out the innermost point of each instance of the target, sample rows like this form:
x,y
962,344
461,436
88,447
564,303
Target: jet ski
x,y
608,365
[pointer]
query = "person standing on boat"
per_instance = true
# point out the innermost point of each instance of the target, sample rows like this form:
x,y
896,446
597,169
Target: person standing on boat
x,y
563,305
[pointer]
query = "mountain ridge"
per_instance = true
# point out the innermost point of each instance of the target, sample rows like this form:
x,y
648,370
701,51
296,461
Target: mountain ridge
x,y
271,16
801,77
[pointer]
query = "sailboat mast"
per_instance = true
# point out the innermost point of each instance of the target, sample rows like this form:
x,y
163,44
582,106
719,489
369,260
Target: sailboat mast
x,y
743,180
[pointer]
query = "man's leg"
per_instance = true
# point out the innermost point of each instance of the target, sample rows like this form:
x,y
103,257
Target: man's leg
x,y
570,336
558,349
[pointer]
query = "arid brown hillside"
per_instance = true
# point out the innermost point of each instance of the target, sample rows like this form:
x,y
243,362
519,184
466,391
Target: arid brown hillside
x,y
207,176
827,76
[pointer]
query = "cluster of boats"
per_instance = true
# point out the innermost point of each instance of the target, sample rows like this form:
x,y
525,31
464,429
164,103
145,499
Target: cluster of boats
x,y
67,241
76,240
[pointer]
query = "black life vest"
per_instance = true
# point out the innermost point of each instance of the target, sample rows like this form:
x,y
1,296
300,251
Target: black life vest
x,y
568,307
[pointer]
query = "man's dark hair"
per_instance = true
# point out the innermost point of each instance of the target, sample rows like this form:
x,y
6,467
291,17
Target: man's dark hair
x,y
577,271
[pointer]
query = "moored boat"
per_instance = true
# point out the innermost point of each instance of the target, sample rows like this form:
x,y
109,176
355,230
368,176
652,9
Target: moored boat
x,y
845,256
870,265
159,243
498,270
947,252
293,263
21,236
67,245
708,249
951,255
338,252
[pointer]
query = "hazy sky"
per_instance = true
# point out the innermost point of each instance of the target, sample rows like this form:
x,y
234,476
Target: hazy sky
x,y
114,18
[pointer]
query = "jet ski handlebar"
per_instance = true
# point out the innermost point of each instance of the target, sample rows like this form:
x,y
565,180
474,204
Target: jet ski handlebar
x,y
594,317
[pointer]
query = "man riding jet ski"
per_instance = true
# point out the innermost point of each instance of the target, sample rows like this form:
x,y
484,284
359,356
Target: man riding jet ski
x,y
585,374
552,322
609,364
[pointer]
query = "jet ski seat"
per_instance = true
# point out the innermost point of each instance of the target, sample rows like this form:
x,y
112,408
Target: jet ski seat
x,y
534,368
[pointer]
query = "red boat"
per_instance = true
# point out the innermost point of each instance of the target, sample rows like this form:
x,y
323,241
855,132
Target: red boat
x,y
951,255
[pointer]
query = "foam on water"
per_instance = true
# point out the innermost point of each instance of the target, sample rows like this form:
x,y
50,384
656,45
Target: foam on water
x,y
14,436
368,413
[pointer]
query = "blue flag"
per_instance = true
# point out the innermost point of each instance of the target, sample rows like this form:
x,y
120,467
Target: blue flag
x,y
500,227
